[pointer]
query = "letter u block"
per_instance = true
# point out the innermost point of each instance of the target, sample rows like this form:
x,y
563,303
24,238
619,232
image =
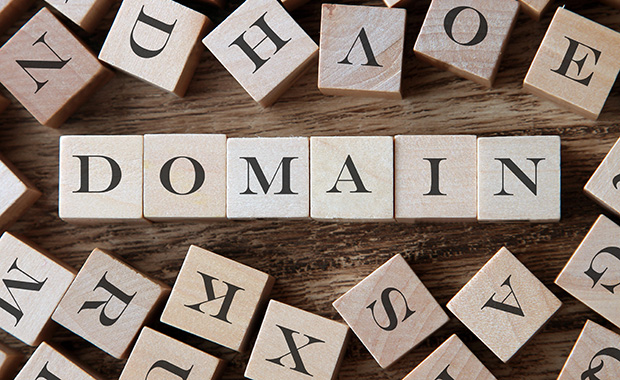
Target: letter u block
x,y
46,363
17,194
87,14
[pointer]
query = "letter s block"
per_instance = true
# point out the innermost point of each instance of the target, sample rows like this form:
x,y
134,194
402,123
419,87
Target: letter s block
x,y
17,194
46,363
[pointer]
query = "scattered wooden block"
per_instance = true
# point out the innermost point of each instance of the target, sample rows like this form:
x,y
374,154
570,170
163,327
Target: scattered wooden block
x,y
263,48
11,11
519,178
504,305
535,8
361,50
467,37
435,178
9,361
109,302
291,5
4,103
603,185
294,344
391,311
87,14
268,177
17,194
576,64
49,364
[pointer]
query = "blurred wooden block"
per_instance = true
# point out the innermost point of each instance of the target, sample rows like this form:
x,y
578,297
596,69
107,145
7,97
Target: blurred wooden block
x,y
109,302
263,48
519,178
17,194
467,37
535,8
268,177
9,361
184,176
576,64
294,344
49,70
87,14
603,185
504,305
361,50
435,178
352,178
4,103
291,5
391,311
157,41
46,363
11,11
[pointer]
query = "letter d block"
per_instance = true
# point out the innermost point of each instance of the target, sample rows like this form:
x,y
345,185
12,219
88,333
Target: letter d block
x,y
17,194
46,363
603,185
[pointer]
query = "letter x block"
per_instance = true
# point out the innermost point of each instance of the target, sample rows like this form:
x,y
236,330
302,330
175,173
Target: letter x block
x,y
17,194
9,361
504,305
603,185
11,10
47,363
87,14
109,302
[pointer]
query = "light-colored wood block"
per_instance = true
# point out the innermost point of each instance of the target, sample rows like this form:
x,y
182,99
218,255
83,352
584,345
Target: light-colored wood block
x,y
87,14
47,363
184,176
435,178
603,185
49,70
294,344
352,178
361,50
391,311
9,361
519,178
467,37
100,178
4,103
291,5
504,305
157,41
576,64
17,194
109,302
535,8
263,48
269,177
11,11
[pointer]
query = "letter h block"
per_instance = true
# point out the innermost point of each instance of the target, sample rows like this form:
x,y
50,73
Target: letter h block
x,y
87,14
46,363
17,194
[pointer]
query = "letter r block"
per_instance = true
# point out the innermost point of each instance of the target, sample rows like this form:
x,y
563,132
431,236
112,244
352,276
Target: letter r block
x,y
87,14
17,194
46,363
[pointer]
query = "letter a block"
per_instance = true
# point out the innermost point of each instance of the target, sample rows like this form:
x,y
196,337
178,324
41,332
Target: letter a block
x,y
17,194
11,10
391,311
504,305
603,185
46,363
87,14
109,302
9,361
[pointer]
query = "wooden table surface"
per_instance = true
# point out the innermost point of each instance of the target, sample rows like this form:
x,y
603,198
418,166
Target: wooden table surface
x,y
314,262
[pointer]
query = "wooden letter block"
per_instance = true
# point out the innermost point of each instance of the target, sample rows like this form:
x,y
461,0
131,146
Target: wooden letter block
x,y
293,344
9,361
263,48
535,8
467,37
435,178
157,41
504,305
109,302
47,363
361,50
269,177
4,103
184,176
576,65
391,311
49,70
87,14
11,11
519,178
603,185
352,178
17,194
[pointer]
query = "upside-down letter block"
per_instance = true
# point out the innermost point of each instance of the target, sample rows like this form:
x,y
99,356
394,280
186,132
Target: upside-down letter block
x,y
467,37
17,193
10,11
157,41
4,103
109,302
535,8
361,50
263,48
184,176
9,361
576,64
294,344
519,178
217,298
504,305
603,185
87,14
268,177
391,311
46,363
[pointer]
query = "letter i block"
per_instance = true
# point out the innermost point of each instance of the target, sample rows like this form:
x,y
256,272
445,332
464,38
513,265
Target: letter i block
x,y
391,311
109,302
535,8
46,363
11,11
603,185
17,194
9,361
87,14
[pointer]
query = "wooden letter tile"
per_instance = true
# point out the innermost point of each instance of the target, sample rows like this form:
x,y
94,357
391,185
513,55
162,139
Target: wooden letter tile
x,y
504,305
535,8
391,311
263,48
109,302
603,185
361,50
11,11
87,14
17,194
46,363
293,344
9,361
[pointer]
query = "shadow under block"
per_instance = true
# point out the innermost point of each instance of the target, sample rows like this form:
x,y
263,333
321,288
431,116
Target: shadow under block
x,y
157,41
293,344
4,103
603,185
49,70
11,11
263,48
9,361
435,178
46,363
184,176
291,5
467,37
108,303
268,177
535,8
217,298
87,14
17,194
519,178
391,311
576,64
361,50
613,3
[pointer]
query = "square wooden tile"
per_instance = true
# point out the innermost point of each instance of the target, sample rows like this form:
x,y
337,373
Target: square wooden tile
x,y
535,8
17,194
87,14
603,185
9,361
48,363
11,11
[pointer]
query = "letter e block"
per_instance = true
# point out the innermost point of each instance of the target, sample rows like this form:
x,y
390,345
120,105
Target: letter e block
x,y
603,185
87,14
11,11
9,361
47,363
17,194
535,8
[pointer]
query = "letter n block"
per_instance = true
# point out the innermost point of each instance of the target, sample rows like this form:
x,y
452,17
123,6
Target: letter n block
x,y
504,305
17,194
9,361
87,14
46,363
109,302
603,185
11,10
